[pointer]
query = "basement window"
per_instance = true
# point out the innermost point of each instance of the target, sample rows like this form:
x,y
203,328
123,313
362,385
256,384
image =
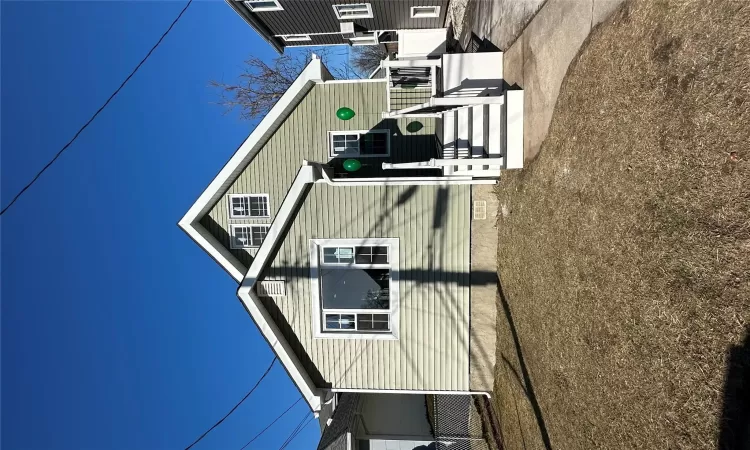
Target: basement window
x,y
424,12
355,288
242,206
353,11
263,5
248,236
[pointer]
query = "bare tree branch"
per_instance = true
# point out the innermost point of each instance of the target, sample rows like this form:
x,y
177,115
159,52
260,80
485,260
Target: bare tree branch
x,y
261,84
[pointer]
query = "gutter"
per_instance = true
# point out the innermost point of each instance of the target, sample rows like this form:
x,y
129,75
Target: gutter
x,y
257,25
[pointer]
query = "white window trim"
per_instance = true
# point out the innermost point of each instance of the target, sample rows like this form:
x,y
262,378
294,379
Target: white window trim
x,y
416,15
296,37
249,4
367,15
231,211
317,309
232,227
361,133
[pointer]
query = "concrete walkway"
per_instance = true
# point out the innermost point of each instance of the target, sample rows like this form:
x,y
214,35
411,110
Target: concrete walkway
x,y
538,60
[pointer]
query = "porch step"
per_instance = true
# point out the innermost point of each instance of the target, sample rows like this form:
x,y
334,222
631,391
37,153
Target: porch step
x,y
493,130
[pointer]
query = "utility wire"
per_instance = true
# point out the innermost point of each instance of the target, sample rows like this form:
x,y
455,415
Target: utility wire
x,y
235,406
117,91
296,433
270,425
296,428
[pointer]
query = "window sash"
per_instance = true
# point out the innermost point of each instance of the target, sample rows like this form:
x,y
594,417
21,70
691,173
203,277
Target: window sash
x,y
361,256
242,206
372,143
248,236
356,321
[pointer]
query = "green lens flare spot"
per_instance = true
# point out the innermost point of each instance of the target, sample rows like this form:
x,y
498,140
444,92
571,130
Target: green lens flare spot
x,y
345,113
352,165
413,127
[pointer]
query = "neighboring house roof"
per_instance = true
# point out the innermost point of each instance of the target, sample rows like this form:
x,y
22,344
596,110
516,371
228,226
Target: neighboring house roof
x,y
338,434
319,20
314,72
257,25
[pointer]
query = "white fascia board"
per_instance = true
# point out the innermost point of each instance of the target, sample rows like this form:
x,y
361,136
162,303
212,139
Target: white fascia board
x,y
314,72
307,175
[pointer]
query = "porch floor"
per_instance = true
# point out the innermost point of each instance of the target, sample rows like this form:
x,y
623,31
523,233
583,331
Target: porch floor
x,y
483,293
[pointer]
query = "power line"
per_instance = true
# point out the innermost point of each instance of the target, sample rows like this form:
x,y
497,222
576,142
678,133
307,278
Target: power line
x,y
270,425
117,91
296,428
235,406
296,433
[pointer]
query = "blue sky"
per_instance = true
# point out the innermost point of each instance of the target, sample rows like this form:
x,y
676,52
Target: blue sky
x,y
117,331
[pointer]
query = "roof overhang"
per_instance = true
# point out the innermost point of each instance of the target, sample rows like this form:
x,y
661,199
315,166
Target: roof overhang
x,y
256,24
313,73
307,175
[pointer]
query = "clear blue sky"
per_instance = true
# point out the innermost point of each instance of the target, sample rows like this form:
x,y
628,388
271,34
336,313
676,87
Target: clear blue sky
x,y
117,331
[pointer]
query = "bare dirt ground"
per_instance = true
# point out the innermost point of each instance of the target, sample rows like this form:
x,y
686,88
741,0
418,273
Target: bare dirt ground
x,y
624,248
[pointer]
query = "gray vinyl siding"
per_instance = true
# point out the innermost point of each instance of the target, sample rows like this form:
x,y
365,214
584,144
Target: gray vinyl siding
x,y
318,16
432,224
304,136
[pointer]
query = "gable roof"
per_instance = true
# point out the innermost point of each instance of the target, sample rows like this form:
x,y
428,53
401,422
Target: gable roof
x,y
314,72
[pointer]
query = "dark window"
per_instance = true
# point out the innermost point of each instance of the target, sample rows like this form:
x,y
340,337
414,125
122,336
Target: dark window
x,y
371,255
374,144
373,322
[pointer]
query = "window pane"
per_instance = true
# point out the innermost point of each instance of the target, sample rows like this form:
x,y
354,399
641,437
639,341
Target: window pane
x,y
375,144
373,322
240,207
336,255
354,288
259,234
258,206
241,237
363,255
340,321
380,255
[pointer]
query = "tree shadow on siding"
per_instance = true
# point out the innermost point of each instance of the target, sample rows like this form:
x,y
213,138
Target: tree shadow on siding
x,y
734,432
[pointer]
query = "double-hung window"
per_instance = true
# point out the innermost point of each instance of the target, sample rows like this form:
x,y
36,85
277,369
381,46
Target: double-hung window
x,y
248,236
359,143
242,206
355,288
353,11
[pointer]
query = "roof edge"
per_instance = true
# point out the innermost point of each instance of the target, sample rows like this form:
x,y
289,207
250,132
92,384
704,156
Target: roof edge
x,y
313,73
257,25
307,175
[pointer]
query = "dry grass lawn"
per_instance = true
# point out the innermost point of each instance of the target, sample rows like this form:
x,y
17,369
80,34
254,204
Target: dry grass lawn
x,y
624,249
